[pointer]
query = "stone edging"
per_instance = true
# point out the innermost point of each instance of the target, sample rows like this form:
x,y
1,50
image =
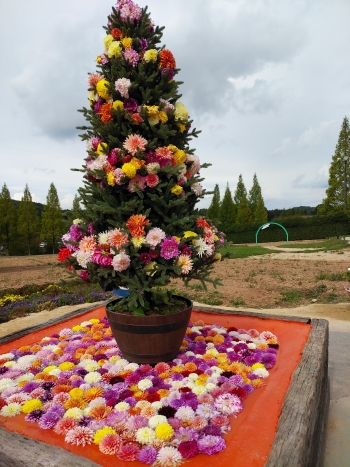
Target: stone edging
x,y
300,435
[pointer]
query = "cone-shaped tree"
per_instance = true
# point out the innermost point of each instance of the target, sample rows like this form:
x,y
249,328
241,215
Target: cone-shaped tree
x,y
260,214
240,192
7,218
227,211
334,200
28,224
76,210
141,179
52,225
214,208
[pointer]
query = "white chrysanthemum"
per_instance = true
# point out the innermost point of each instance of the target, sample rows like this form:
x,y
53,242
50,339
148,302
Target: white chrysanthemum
x,y
97,401
77,221
168,457
156,420
84,324
25,377
157,405
6,383
193,376
230,349
121,363
185,413
7,356
74,413
98,163
122,406
177,384
144,384
65,332
251,345
91,365
26,359
201,247
103,237
55,372
210,345
189,383
195,166
45,339
11,410
92,377
189,353
152,167
261,372
113,359
199,390
145,435
82,257
217,370
9,364
210,386
197,189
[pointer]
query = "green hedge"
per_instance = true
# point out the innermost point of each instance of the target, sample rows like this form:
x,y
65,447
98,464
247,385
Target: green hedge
x,y
298,228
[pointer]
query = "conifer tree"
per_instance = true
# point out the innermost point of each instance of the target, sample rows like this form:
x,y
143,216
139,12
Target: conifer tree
x,y
256,199
7,218
140,176
227,211
28,224
52,225
214,208
76,210
240,191
334,200
260,213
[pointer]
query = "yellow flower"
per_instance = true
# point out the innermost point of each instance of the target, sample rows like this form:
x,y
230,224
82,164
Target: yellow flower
x,y
115,50
138,241
49,368
189,234
177,239
164,431
137,163
77,328
76,392
66,366
257,365
102,88
181,127
217,257
94,321
180,113
100,434
107,40
29,406
129,169
163,117
172,148
150,55
150,268
102,148
118,105
180,156
110,179
176,190
127,42
152,110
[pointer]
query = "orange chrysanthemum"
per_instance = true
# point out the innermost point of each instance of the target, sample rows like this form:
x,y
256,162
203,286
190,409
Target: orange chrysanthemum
x,y
167,59
262,346
190,366
257,383
24,348
92,393
134,411
163,392
100,412
218,339
61,388
75,402
136,225
45,377
35,348
199,338
202,223
97,336
106,113
148,412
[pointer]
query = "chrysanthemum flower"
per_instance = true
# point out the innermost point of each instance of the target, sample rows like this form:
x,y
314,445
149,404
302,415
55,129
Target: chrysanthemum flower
x,y
121,262
122,85
167,59
11,410
131,56
145,435
74,413
115,50
168,456
134,143
185,262
102,88
64,425
164,431
152,180
29,406
228,404
169,248
136,225
110,444
100,434
150,55
80,436
128,452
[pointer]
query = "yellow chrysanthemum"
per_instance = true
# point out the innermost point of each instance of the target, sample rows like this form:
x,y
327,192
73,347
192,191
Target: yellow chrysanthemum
x,y
180,112
76,392
127,42
66,366
115,50
181,127
29,406
75,402
164,431
172,148
114,359
176,190
189,233
152,110
129,170
180,156
107,41
137,163
257,365
118,105
110,179
102,148
49,368
95,320
100,434
178,239
163,117
150,55
77,328
102,88
138,241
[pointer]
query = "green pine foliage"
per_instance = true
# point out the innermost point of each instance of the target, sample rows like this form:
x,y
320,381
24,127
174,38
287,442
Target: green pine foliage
x,y
334,200
244,213
240,192
52,225
260,213
214,208
140,163
28,224
7,219
227,211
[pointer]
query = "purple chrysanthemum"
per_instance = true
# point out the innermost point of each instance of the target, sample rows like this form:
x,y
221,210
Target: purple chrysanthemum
x,y
130,105
34,416
211,444
147,455
169,248
188,449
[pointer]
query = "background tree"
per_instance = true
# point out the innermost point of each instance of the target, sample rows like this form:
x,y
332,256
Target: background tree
x,y
76,209
52,226
240,192
260,213
244,213
214,208
28,224
334,200
7,219
227,210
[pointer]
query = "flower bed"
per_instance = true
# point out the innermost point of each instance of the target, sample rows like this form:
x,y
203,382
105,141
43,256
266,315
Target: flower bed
x,y
76,383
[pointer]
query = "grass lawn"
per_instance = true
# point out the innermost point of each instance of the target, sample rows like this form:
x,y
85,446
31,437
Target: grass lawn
x,y
244,251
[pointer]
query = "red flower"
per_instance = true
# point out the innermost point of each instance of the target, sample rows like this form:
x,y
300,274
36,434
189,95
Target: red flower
x,y
167,59
202,223
137,119
106,113
136,225
63,255
116,33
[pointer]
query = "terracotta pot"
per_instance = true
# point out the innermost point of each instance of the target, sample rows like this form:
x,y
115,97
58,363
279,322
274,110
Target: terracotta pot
x,y
150,339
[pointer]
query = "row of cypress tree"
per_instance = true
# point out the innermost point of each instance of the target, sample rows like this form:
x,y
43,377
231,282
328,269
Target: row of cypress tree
x,y
23,230
241,208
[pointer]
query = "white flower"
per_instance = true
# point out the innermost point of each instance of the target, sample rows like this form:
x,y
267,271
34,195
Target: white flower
x,y
168,457
152,167
145,435
92,377
190,353
144,384
11,410
157,405
74,413
25,377
210,345
7,356
122,406
6,383
82,257
9,364
156,420
97,401
197,189
210,386
193,376
261,372
91,365
103,238
55,372
251,345
98,163
201,247
199,390
77,221
185,413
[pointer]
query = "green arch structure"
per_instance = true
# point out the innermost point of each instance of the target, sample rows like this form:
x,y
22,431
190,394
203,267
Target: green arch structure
x,y
267,224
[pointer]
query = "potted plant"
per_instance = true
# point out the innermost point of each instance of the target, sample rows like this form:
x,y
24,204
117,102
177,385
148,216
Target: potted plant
x,y
139,226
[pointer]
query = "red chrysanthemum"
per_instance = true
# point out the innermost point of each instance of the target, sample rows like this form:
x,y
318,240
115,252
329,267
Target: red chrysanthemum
x,y
202,223
167,59
110,444
137,119
64,425
116,33
136,225
106,113
63,254
128,452
152,180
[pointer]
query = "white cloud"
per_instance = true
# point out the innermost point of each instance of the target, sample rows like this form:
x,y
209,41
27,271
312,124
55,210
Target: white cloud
x,y
314,135
35,198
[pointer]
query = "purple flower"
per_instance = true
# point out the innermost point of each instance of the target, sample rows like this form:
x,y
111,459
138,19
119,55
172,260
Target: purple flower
x,y
49,420
84,275
145,258
170,72
211,430
131,56
147,455
29,387
90,229
143,44
98,105
34,416
211,444
130,105
75,232
113,155
169,248
188,449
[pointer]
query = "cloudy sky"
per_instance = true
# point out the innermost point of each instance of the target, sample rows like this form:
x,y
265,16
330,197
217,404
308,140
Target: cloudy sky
x,y
267,82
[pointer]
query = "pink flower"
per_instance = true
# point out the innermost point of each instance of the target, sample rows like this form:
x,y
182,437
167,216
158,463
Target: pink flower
x,y
122,85
87,245
188,449
128,452
169,248
152,180
131,56
228,404
84,275
80,436
110,444
117,238
135,142
211,444
139,181
64,425
185,262
121,262
102,258
145,258
155,236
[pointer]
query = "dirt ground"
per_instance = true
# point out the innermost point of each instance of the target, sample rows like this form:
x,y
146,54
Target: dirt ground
x,y
283,280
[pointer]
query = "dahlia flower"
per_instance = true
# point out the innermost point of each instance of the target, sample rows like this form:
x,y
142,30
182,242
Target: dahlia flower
x,y
168,457
80,436
122,85
110,444
135,142
169,248
121,262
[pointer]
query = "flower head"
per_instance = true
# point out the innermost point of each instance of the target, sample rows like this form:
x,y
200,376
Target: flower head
x,y
122,85
136,225
169,248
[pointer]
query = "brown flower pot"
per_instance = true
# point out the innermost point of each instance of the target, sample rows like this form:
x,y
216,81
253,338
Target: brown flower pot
x,y
150,339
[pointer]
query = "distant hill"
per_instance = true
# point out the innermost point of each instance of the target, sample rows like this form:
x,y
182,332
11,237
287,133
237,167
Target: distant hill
x,y
291,212
39,207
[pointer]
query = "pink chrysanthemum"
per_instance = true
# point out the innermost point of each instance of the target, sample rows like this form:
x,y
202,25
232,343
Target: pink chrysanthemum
x,y
155,236
110,444
185,262
87,245
137,181
80,436
229,404
211,444
188,449
131,56
117,238
168,457
152,180
135,142
128,452
64,425
122,85
169,248
60,398
94,78
220,420
121,262
198,423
